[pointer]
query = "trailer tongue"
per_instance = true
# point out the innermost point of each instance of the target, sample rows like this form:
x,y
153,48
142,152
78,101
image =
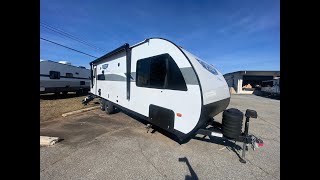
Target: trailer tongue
x,y
229,129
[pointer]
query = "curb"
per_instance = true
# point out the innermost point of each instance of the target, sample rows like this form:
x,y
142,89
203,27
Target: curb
x,y
79,111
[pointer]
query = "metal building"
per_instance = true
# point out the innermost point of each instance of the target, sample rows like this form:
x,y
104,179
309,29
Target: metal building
x,y
245,82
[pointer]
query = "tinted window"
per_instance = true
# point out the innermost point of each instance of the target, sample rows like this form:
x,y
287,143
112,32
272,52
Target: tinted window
x,y
159,72
54,74
69,75
175,79
143,68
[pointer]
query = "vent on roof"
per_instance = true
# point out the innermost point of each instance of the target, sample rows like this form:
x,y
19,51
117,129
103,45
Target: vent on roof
x,y
65,62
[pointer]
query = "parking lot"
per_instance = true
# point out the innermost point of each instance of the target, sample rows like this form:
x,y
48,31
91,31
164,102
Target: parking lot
x,y
100,146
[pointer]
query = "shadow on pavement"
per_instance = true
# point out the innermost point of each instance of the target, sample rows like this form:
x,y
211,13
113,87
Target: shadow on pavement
x,y
193,175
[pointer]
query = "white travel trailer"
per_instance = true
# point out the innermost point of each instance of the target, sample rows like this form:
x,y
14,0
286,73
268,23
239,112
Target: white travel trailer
x,y
162,83
56,77
170,88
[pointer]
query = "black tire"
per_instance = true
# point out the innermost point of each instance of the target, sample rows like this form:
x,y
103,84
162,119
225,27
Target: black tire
x,y
109,108
102,104
228,115
232,120
57,93
65,92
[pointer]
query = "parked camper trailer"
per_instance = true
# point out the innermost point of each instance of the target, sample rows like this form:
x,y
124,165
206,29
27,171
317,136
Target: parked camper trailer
x,y
271,86
170,88
56,77
161,82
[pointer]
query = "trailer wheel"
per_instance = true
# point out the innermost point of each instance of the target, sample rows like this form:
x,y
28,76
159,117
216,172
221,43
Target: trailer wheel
x,y
102,104
65,92
109,108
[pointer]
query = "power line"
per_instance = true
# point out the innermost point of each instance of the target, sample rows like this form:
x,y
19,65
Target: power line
x,y
67,47
66,34
70,36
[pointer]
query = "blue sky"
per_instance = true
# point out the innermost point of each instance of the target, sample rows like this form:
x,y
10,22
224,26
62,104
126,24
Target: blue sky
x,y
232,35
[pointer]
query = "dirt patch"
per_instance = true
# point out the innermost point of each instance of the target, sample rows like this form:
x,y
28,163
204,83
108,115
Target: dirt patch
x,y
52,106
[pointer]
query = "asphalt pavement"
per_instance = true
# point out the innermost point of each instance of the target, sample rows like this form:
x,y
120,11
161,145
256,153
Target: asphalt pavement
x,y
99,146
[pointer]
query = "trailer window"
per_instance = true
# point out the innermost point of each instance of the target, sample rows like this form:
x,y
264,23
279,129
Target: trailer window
x,y
159,72
54,74
175,80
151,72
143,71
69,75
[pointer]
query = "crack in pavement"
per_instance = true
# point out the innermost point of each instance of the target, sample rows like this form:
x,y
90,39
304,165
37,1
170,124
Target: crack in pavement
x,y
268,122
149,160
262,169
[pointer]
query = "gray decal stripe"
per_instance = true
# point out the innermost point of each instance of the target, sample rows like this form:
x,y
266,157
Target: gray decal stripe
x,y
189,76
114,77
133,74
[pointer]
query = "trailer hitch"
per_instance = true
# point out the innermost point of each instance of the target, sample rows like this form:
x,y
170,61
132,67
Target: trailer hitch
x,y
247,139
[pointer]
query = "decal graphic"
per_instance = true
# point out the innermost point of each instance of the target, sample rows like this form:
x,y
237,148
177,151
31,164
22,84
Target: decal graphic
x,y
105,66
209,67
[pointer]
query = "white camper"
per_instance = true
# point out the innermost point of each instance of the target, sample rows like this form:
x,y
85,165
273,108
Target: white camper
x,y
56,77
162,83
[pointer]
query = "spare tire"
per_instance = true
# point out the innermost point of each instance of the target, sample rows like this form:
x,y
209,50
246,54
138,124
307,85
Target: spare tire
x,y
232,123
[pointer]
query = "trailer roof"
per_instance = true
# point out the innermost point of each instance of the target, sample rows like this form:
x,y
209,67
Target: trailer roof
x,y
63,64
119,49
125,46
